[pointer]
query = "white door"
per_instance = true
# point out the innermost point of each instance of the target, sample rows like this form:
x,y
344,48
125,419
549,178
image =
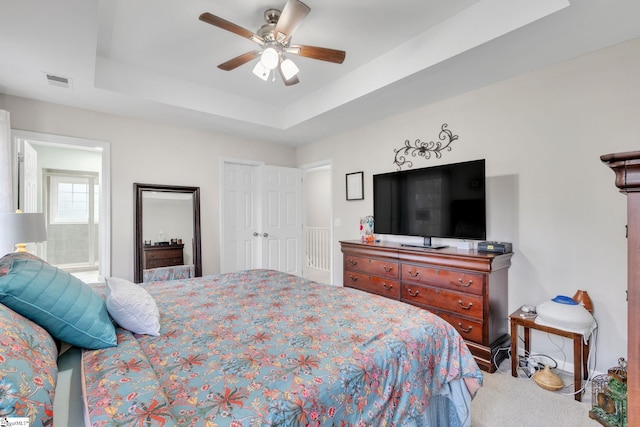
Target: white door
x,y
282,219
262,221
28,186
28,176
239,249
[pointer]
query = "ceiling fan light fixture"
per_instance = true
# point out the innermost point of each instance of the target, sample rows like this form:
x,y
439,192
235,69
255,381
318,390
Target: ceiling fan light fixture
x,y
261,71
270,58
289,69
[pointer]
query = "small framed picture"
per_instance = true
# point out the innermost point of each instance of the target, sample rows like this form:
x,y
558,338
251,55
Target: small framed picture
x,y
355,186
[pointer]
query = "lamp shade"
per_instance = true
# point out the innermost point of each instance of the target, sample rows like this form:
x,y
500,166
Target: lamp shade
x,y
22,228
270,58
261,71
289,69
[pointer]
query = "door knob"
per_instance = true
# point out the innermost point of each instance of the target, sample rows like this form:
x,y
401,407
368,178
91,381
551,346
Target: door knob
x,y
265,234
256,234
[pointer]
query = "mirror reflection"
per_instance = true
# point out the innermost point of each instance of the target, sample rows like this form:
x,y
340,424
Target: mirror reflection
x,y
167,233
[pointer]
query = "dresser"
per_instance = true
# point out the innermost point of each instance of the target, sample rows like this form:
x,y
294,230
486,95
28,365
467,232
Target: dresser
x,y
162,256
468,289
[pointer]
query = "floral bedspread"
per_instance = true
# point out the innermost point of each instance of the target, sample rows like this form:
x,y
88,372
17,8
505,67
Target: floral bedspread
x,y
263,348
174,272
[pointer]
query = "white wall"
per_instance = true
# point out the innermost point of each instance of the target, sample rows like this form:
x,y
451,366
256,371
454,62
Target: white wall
x,y
317,187
149,153
168,219
542,136
54,157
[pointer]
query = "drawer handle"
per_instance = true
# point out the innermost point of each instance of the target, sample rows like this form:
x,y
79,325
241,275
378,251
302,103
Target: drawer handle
x,y
353,261
413,274
465,307
466,285
353,278
387,269
413,294
387,287
467,330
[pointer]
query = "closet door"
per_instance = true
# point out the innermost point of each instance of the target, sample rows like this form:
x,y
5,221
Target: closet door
x,y
262,218
281,223
239,246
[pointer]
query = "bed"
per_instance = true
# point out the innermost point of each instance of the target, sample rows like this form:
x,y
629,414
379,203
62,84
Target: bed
x,y
264,348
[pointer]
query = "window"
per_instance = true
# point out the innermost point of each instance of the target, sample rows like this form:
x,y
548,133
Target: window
x,y
73,199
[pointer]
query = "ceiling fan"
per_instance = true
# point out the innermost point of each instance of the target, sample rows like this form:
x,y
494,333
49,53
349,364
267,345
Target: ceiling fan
x,y
274,38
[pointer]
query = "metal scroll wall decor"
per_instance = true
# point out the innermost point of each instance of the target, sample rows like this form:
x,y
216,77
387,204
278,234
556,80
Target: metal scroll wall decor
x,y
423,148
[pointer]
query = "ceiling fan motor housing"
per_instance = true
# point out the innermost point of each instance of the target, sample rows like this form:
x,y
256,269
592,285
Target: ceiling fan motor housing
x,y
272,16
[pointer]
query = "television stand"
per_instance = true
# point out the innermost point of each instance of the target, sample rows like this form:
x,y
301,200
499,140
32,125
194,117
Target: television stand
x,y
468,289
425,246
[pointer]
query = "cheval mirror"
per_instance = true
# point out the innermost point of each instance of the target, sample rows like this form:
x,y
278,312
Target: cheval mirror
x,y
167,234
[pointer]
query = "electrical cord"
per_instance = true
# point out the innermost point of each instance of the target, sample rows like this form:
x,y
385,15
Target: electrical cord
x,y
591,371
495,356
591,362
534,357
560,348
529,364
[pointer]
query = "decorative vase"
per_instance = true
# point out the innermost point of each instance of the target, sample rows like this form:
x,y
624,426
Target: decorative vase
x,y
548,380
582,297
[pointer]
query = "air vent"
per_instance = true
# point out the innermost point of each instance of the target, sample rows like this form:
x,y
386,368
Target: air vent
x,y
59,81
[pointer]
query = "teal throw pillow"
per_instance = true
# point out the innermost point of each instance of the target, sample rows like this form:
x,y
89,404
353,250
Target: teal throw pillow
x,y
59,302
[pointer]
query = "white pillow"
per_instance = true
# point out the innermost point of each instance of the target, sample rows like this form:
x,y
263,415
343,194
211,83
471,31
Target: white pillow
x,y
132,307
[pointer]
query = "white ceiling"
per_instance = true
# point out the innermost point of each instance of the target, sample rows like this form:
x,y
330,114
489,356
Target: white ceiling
x,y
155,59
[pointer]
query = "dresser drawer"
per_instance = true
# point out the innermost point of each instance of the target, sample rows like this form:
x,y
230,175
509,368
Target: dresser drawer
x,y
164,254
456,302
450,279
470,330
376,285
376,267
165,262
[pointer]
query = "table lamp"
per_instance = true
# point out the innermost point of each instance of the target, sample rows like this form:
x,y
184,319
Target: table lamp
x,y
21,228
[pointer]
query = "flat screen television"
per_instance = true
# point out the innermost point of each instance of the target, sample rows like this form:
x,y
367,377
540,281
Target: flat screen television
x,y
446,201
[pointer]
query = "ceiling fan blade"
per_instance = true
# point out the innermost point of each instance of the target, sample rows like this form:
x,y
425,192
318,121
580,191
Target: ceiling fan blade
x,y
239,60
290,18
230,26
321,53
292,81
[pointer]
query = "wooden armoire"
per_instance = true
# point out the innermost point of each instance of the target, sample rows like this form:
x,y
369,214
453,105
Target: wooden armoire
x,y
627,169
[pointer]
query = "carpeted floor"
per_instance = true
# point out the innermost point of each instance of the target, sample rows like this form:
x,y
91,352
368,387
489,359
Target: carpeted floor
x,y
507,401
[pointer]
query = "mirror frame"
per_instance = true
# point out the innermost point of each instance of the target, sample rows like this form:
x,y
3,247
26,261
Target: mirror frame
x,y
138,189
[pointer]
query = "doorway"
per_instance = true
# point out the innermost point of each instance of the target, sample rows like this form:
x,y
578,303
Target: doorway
x,y
261,221
71,204
318,232
67,179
